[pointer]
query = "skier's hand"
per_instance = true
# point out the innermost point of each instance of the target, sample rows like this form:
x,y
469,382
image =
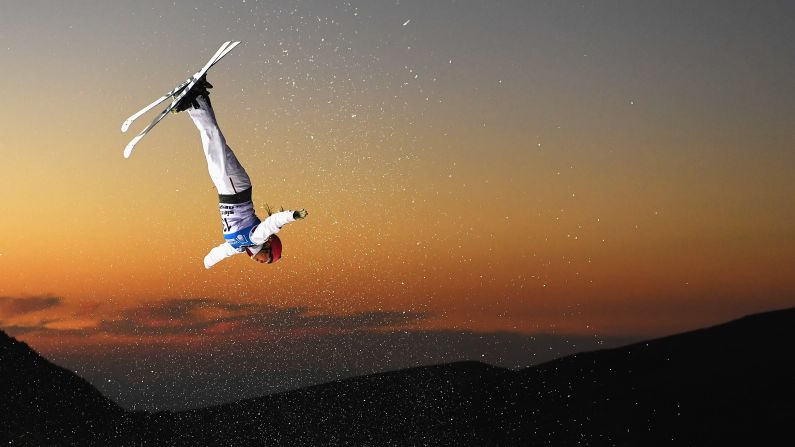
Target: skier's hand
x,y
300,214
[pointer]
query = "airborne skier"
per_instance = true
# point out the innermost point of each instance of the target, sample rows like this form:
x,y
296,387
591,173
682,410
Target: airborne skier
x,y
243,230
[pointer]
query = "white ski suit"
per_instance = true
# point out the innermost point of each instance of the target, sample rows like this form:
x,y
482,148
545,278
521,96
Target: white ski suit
x,y
243,231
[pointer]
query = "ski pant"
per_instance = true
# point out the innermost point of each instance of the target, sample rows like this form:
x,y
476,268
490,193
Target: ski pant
x,y
225,170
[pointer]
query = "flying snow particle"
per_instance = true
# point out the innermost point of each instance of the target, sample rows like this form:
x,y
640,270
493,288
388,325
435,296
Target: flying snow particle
x,y
406,22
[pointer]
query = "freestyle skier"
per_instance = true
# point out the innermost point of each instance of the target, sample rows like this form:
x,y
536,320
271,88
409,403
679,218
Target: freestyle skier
x,y
243,230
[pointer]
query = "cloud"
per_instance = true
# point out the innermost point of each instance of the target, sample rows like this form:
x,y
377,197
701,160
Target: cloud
x,y
204,316
15,330
363,320
16,306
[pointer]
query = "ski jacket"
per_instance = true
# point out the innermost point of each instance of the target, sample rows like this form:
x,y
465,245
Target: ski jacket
x,y
244,235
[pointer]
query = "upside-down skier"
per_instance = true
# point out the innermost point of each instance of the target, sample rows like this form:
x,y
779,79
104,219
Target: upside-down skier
x,y
243,230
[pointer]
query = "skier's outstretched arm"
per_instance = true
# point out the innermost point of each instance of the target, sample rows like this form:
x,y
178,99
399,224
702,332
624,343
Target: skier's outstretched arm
x,y
274,223
218,254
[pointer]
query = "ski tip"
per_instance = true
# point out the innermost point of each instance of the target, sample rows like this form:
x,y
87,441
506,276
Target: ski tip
x,y
125,125
129,148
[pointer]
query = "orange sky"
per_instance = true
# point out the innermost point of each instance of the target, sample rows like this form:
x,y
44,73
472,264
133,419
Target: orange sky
x,y
589,184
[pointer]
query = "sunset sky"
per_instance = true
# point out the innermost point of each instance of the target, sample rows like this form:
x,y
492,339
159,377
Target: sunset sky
x,y
587,169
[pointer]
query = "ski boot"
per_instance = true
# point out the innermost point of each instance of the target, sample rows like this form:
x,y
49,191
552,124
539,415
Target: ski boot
x,y
189,100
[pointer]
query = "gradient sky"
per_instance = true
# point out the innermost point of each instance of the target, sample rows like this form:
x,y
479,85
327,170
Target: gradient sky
x,y
608,169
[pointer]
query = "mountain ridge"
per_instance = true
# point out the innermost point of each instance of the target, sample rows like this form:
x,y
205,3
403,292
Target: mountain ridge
x,y
719,385
47,401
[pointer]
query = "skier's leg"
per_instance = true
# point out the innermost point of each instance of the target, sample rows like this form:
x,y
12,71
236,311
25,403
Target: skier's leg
x,y
225,170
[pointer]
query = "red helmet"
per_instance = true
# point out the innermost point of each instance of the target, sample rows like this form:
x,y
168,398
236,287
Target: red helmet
x,y
276,248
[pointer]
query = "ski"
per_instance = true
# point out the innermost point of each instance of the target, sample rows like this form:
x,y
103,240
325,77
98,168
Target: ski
x,y
177,93
218,56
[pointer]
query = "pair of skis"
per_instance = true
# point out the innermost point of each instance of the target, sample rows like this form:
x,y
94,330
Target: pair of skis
x,y
177,93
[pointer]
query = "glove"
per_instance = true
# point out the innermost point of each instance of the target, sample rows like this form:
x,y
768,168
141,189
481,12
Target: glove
x,y
189,100
300,214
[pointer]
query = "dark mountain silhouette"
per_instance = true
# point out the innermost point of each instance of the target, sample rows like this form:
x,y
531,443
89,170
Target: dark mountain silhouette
x,y
730,384
44,404
727,385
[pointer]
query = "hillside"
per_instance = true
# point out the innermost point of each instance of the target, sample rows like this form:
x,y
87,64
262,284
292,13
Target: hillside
x,y
726,385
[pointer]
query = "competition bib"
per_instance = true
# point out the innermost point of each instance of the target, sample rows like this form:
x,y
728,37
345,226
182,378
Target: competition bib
x,y
237,220
241,238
